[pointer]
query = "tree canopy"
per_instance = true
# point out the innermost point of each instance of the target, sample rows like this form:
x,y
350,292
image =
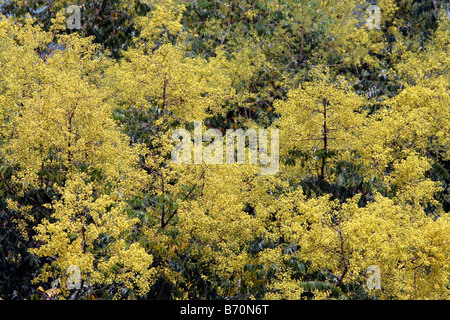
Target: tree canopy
x,y
88,188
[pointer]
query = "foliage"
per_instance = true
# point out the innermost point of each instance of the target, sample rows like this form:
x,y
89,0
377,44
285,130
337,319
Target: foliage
x,y
87,180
